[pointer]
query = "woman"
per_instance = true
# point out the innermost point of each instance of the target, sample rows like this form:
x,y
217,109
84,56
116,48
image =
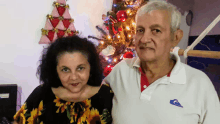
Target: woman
x,y
71,63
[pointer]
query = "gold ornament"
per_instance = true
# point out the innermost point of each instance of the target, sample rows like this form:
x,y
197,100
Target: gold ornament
x,y
67,6
56,4
44,32
49,16
68,31
60,18
71,20
55,30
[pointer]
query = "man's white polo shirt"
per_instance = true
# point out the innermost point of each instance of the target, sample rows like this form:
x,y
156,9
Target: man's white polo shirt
x,y
186,97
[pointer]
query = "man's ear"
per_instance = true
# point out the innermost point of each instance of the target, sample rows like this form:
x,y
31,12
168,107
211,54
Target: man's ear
x,y
178,35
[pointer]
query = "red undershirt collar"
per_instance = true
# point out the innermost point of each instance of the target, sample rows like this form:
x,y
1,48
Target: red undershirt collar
x,y
144,81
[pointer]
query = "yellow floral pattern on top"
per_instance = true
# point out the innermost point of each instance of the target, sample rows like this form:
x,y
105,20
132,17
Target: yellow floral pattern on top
x,y
21,114
50,109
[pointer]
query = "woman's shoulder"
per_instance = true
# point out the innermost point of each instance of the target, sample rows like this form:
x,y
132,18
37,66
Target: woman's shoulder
x,y
104,93
38,94
105,88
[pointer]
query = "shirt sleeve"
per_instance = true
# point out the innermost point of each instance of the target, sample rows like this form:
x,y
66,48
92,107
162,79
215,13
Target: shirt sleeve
x,y
30,109
211,109
110,77
114,74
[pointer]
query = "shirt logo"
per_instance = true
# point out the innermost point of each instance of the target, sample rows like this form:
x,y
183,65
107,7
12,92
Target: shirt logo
x,y
176,103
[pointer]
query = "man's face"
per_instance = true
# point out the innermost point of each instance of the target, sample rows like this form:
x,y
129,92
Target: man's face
x,y
153,35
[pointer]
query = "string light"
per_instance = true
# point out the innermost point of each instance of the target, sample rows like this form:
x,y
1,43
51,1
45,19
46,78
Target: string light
x,y
109,37
129,36
127,27
119,36
106,58
115,60
128,11
121,56
102,42
109,60
133,23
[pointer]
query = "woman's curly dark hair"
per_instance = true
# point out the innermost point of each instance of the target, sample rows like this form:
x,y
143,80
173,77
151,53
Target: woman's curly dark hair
x,y
47,72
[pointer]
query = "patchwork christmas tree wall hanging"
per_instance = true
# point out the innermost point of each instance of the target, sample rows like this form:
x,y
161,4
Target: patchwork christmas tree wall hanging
x,y
58,24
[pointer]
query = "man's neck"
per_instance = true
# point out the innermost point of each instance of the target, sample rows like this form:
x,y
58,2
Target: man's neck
x,y
157,69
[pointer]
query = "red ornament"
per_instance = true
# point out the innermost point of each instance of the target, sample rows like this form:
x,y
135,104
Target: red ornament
x,y
66,23
71,33
107,27
60,33
121,16
50,35
128,55
107,70
113,29
54,21
61,10
120,29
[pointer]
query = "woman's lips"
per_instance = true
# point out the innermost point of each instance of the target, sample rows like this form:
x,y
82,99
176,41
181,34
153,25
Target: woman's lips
x,y
75,84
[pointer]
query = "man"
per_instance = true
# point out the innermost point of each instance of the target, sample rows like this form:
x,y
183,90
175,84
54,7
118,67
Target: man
x,y
155,87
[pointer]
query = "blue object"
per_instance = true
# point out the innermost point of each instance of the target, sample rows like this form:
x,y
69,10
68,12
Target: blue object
x,y
176,103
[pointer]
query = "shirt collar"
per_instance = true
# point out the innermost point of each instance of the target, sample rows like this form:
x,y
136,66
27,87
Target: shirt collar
x,y
178,73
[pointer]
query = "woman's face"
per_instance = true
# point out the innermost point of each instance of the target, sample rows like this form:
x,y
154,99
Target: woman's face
x,y
73,70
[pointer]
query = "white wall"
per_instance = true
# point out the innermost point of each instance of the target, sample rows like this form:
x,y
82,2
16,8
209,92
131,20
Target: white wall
x,y
204,13
21,23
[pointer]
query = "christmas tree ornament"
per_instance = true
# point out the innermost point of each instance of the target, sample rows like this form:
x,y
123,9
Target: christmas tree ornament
x,y
70,33
58,24
121,16
112,19
120,29
109,50
50,35
56,4
66,23
107,70
104,17
128,55
61,10
44,32
54,21
60,33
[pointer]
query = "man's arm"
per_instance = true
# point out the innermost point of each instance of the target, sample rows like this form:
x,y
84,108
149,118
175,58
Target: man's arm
x,y
211,111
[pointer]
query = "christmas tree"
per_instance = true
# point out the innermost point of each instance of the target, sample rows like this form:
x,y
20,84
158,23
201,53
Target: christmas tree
x,y
116,40
58,24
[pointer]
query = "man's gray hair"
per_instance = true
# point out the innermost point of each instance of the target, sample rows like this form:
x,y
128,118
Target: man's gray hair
x,y
162,5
